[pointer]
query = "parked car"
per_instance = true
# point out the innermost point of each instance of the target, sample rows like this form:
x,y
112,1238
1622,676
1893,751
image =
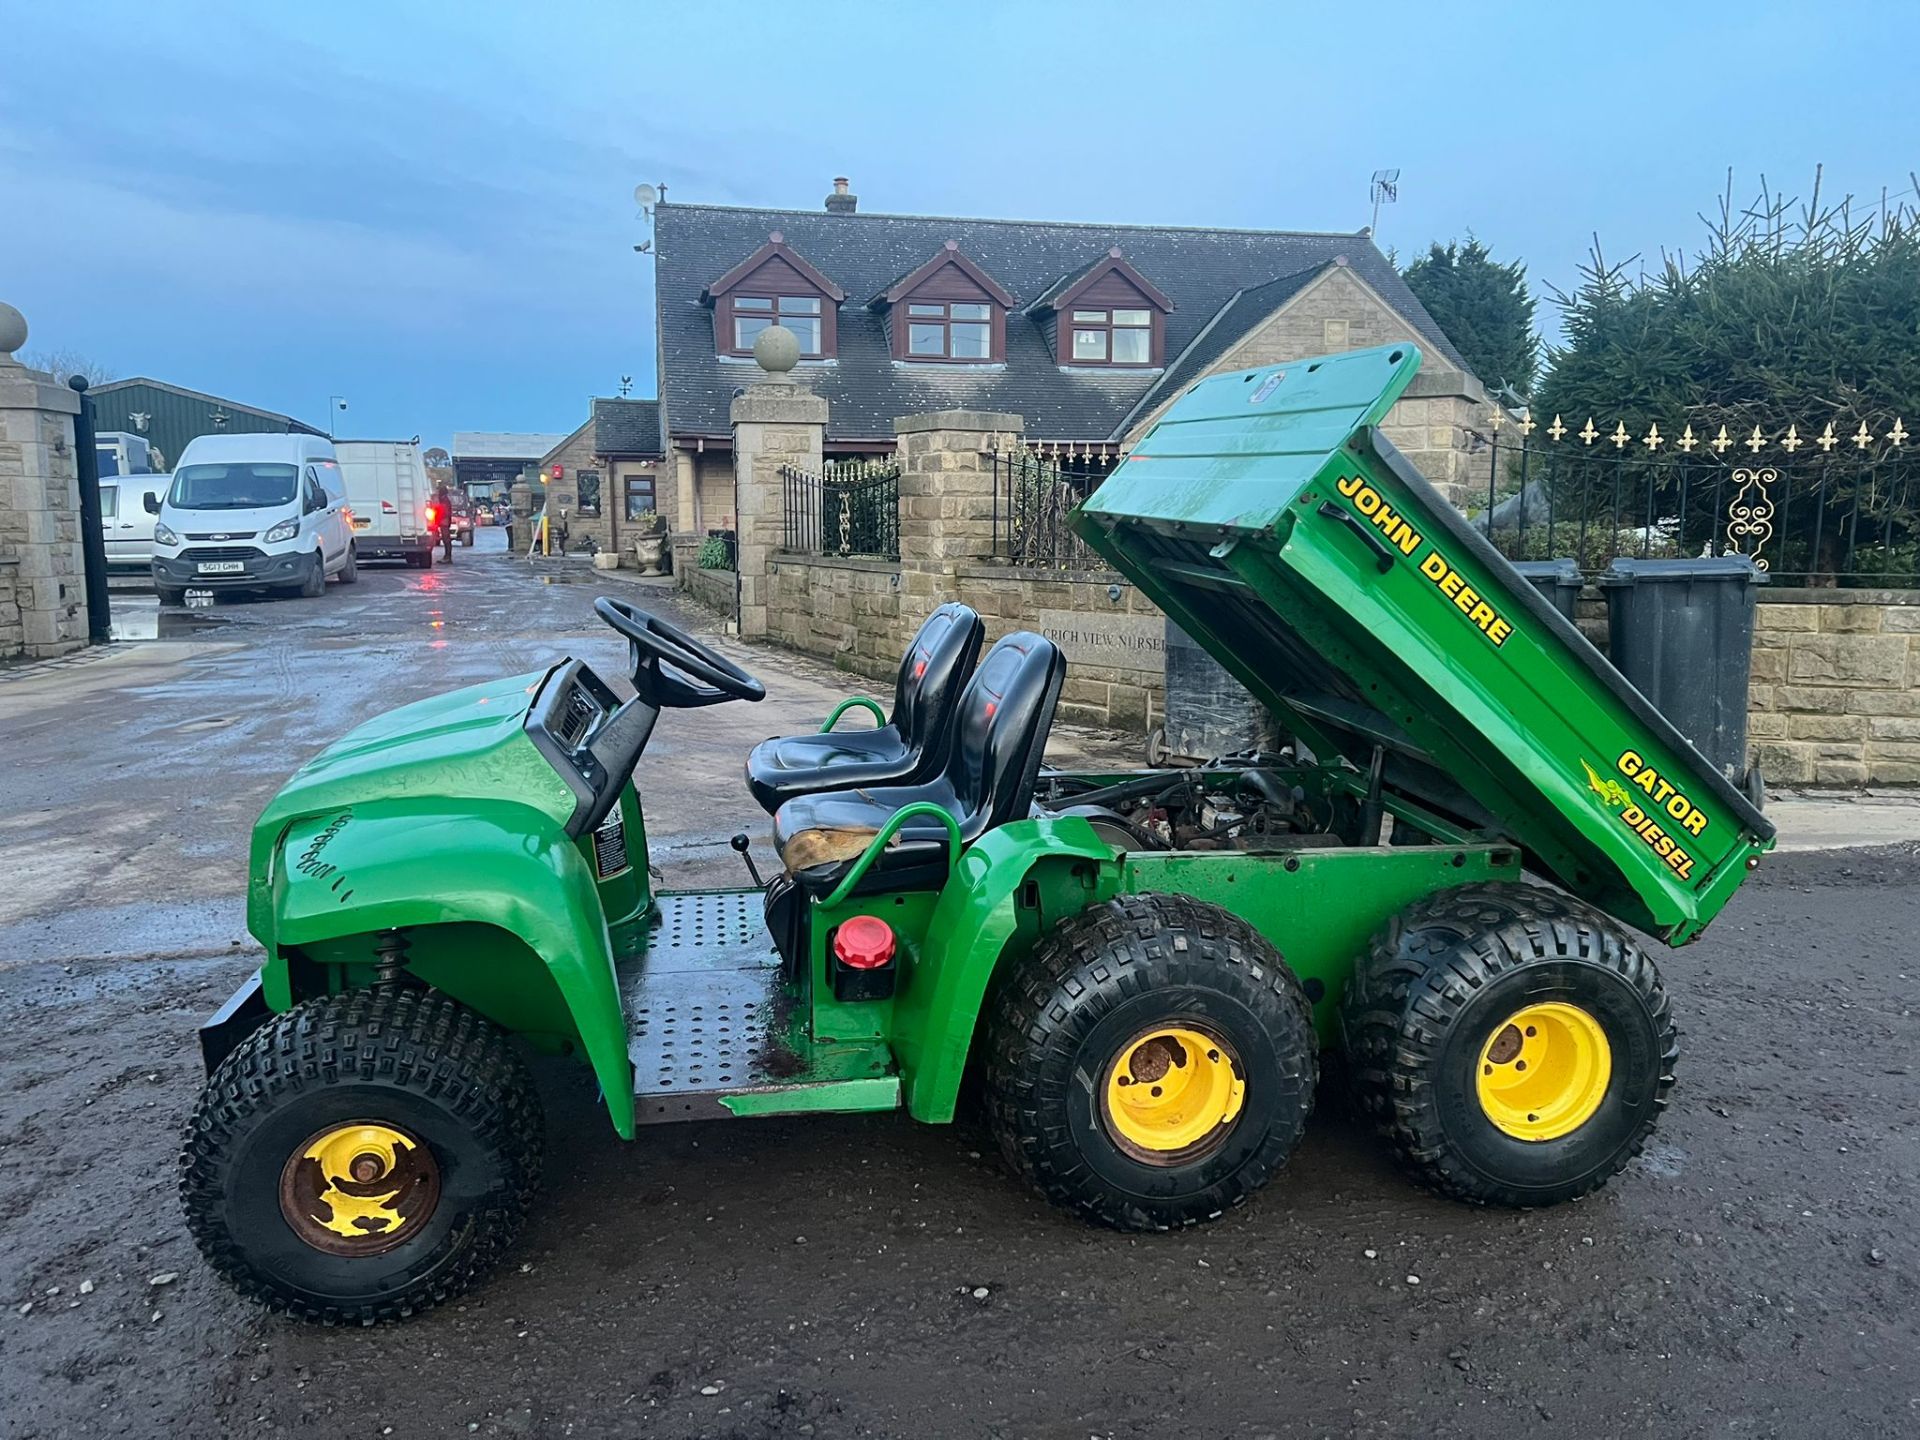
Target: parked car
x,y
128,506
254,512
388,489
462,518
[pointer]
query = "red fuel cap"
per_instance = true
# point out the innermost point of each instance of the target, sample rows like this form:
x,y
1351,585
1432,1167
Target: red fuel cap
x,y
863,943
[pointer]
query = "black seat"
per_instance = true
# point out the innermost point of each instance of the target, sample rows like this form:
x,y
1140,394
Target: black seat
x,y
999,736
910,748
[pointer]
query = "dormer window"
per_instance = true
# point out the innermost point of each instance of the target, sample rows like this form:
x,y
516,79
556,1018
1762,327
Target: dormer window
x,y
1112,337
947,311
798,313
1106,313
960,330
774,286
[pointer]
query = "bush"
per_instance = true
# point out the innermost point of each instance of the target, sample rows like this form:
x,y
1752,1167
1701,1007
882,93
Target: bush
x,y
713,553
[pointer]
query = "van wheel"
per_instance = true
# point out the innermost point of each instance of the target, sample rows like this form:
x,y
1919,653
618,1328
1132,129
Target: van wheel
x,y
170,595
350,571
316,582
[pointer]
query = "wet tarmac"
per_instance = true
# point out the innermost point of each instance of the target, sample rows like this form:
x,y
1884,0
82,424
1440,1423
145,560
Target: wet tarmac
x,y
1754,1275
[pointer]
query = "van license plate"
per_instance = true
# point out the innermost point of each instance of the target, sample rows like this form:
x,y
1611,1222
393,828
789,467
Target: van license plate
x,y
221,567
361,522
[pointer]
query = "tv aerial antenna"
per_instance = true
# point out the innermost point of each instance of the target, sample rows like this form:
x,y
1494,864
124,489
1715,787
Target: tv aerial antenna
x,y
1383,190
646,197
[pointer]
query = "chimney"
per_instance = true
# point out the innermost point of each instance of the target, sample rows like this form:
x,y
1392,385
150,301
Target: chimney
x,y
842,201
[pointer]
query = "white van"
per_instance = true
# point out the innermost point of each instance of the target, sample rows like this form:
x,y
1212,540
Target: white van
x,y
388,488
128,507
254,512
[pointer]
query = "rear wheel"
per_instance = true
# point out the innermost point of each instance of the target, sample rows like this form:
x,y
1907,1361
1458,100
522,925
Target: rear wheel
x,y
350,571
1151,1064
1514,1046
363,1156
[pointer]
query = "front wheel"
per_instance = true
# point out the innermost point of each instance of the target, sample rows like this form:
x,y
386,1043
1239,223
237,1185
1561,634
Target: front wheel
x,y
1514,1046
170,594
363,1156
1151,1064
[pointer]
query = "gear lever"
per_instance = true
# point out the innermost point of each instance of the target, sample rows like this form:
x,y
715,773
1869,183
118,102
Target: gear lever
x,y
740,843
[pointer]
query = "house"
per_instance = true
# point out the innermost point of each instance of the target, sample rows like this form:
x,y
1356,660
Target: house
x,y
606,474
1087,331
168,416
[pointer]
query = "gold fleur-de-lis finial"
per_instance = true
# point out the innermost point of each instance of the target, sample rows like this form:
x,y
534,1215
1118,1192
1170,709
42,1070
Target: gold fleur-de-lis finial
x,y
1755,442
1827,439
1898,434
1862,437
1556,429
1653,439
1687,441
1792,442
1496,417
1619,437
1720,442
1587,433
1528,424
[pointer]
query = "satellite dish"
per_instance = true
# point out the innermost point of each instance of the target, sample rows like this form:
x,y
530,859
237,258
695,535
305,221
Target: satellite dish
x,y
645,196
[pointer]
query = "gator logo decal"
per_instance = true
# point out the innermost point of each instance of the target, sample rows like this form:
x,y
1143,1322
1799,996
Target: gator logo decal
x,y
1646,820
1611,792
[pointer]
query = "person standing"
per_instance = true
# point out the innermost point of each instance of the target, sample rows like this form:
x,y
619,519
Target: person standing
x,y
443,513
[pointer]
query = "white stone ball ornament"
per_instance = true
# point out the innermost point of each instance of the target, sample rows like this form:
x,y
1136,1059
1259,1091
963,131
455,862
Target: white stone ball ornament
x,y
13,329
776,349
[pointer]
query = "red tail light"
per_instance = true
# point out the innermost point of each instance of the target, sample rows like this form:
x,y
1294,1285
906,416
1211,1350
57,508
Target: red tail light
x,y
432,514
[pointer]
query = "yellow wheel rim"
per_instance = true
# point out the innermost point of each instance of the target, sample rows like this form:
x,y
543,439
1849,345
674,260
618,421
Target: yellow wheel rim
x,y
1172,1094
359,1188
1544,1071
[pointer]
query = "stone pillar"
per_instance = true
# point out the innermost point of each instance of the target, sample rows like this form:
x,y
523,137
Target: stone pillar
x,y
43,607
1435,425
686,517
946,500
776,422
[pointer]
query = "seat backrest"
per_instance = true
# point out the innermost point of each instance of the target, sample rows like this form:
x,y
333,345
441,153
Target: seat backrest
x,y
932,674
1001,732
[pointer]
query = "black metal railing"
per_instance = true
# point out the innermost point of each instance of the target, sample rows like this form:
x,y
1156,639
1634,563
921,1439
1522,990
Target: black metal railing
x,y
1838,508
1032,496
852,508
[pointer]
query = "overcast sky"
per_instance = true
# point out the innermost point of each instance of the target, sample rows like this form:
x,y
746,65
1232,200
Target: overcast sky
x,y
428,208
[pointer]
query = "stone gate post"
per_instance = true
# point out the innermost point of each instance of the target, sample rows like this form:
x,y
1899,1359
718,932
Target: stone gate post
x,y
946,500
776,422
43,607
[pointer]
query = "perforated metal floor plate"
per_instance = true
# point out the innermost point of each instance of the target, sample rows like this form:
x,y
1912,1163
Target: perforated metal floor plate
x,y
708,1020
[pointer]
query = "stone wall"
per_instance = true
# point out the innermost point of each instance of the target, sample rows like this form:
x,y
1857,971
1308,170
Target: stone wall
x,y
43,608
1112,636
1836,687
840,610
714,589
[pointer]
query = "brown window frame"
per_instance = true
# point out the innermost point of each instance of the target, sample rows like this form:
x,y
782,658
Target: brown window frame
x,y
818,315
992,321
629,489
1105,327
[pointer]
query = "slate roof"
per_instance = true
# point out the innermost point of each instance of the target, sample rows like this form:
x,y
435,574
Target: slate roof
x,y
1204,271
627,427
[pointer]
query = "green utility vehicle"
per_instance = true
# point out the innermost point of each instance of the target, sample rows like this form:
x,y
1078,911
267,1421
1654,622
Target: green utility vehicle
x,y
1440,874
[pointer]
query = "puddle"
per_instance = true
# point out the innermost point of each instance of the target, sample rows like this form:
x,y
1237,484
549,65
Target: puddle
x,y
152,623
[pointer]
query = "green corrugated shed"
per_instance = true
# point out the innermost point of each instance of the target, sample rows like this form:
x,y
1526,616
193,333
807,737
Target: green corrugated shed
x,y
173,415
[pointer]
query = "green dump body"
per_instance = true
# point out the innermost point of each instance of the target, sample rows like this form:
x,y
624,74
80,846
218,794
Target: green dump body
x,y
1270,518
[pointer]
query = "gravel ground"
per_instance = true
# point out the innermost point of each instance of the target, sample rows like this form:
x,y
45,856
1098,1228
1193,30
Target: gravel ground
x,y
1753,1275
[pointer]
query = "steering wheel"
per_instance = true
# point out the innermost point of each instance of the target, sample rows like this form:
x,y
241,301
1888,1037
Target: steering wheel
x,y
671,669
